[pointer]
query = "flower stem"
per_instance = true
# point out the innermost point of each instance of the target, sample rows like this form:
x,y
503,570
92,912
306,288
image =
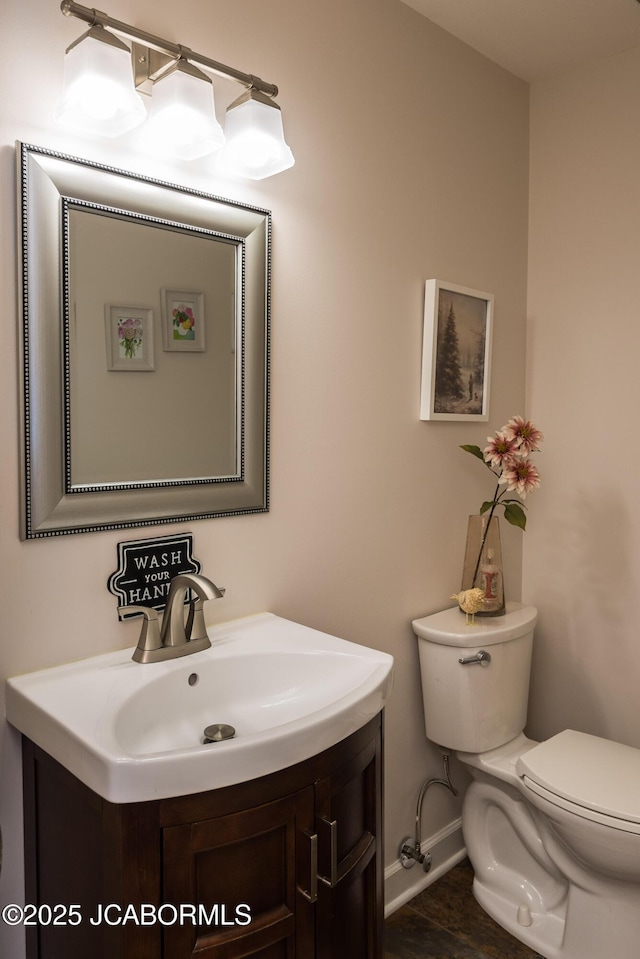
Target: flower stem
x,y
496,502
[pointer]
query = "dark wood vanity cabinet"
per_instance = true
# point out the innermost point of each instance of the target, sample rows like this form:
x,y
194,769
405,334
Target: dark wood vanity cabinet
x,y
288,866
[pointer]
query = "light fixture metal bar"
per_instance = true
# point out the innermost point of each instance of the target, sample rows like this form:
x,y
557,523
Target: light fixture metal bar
x,y
96,17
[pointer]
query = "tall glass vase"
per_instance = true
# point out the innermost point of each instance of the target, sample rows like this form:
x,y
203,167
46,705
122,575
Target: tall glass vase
x,y
483,563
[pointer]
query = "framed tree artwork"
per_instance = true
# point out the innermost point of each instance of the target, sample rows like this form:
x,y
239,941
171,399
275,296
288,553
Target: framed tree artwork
x,y
456,353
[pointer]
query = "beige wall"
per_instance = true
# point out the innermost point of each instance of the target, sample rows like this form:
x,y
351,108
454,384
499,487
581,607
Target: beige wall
x,y
412,162
582,552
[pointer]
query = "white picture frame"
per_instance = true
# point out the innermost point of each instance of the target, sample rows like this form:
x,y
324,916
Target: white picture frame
x,y
129,338
456,353
184,337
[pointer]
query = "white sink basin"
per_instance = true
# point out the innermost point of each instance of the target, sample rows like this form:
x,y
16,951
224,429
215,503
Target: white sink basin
x,y
134,732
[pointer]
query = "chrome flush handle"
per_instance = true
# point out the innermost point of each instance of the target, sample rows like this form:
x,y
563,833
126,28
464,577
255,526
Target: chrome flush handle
x,y
481,658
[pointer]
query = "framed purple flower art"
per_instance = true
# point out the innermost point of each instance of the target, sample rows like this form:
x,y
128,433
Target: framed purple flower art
x,y
183,321
456,353
129,338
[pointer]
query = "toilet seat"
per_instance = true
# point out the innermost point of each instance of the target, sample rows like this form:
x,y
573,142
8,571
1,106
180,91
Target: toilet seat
x,y
591,777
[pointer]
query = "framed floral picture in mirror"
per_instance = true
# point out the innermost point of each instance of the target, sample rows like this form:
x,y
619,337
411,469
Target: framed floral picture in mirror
x,y
129,338
183,320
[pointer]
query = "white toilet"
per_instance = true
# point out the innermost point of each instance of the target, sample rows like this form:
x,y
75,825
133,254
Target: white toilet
x,y
552,829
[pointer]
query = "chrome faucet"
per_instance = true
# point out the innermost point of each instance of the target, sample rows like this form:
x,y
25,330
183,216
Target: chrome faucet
x,y
177,637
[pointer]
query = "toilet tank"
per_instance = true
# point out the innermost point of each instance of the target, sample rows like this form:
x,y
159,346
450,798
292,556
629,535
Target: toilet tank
x,y
474,708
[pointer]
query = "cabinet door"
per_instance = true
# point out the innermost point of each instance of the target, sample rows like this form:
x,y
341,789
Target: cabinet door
x,y
349,828
240,871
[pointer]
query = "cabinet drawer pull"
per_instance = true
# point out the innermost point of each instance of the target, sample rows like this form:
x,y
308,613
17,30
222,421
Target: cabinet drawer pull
x,y
332,879
357,854
350,861
312,894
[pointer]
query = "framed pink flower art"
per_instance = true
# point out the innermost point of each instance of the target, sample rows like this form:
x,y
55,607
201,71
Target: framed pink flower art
x,y
183,321
129,338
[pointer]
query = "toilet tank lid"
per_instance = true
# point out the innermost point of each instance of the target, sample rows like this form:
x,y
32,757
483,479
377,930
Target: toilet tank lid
x,y
448,628
591,772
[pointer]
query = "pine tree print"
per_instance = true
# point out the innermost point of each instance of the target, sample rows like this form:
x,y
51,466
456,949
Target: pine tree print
x,y
448,377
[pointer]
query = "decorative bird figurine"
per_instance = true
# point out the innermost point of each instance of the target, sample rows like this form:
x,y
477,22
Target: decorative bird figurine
x,y
470,602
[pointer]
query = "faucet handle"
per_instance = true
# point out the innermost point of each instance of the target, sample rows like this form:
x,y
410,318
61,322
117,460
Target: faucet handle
x,y
150,635
194,627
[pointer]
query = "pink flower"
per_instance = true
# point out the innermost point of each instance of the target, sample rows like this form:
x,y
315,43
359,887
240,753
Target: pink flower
x,y
527,436
521,476
500,451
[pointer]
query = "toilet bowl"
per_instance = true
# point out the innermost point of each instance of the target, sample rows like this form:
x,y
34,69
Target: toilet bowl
x,y
552,829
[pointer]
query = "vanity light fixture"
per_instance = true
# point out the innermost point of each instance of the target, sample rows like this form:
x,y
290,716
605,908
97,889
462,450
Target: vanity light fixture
x,y
182,119
98,91
182,116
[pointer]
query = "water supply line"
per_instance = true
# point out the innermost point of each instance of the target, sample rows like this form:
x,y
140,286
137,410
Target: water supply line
x,y
410,848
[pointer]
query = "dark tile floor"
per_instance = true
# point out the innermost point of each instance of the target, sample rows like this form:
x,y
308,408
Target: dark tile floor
x,y
445,922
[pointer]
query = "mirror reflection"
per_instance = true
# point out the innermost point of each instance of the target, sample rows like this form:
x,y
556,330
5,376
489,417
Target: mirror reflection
x,y
152,351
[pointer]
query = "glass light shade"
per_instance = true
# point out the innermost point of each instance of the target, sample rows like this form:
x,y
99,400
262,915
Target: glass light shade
x,y
255,146
98,94
182,120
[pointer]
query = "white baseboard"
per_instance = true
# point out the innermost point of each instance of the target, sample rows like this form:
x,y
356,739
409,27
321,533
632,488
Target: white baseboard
x,y
446,847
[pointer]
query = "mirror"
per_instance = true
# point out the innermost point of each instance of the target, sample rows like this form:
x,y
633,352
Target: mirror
x,y
145,320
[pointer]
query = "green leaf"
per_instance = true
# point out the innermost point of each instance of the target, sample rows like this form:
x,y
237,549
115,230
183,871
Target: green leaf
x,y
486,505
474,450
514,513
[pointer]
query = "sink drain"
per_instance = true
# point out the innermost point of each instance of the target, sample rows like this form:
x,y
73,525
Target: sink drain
x,y
217,732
